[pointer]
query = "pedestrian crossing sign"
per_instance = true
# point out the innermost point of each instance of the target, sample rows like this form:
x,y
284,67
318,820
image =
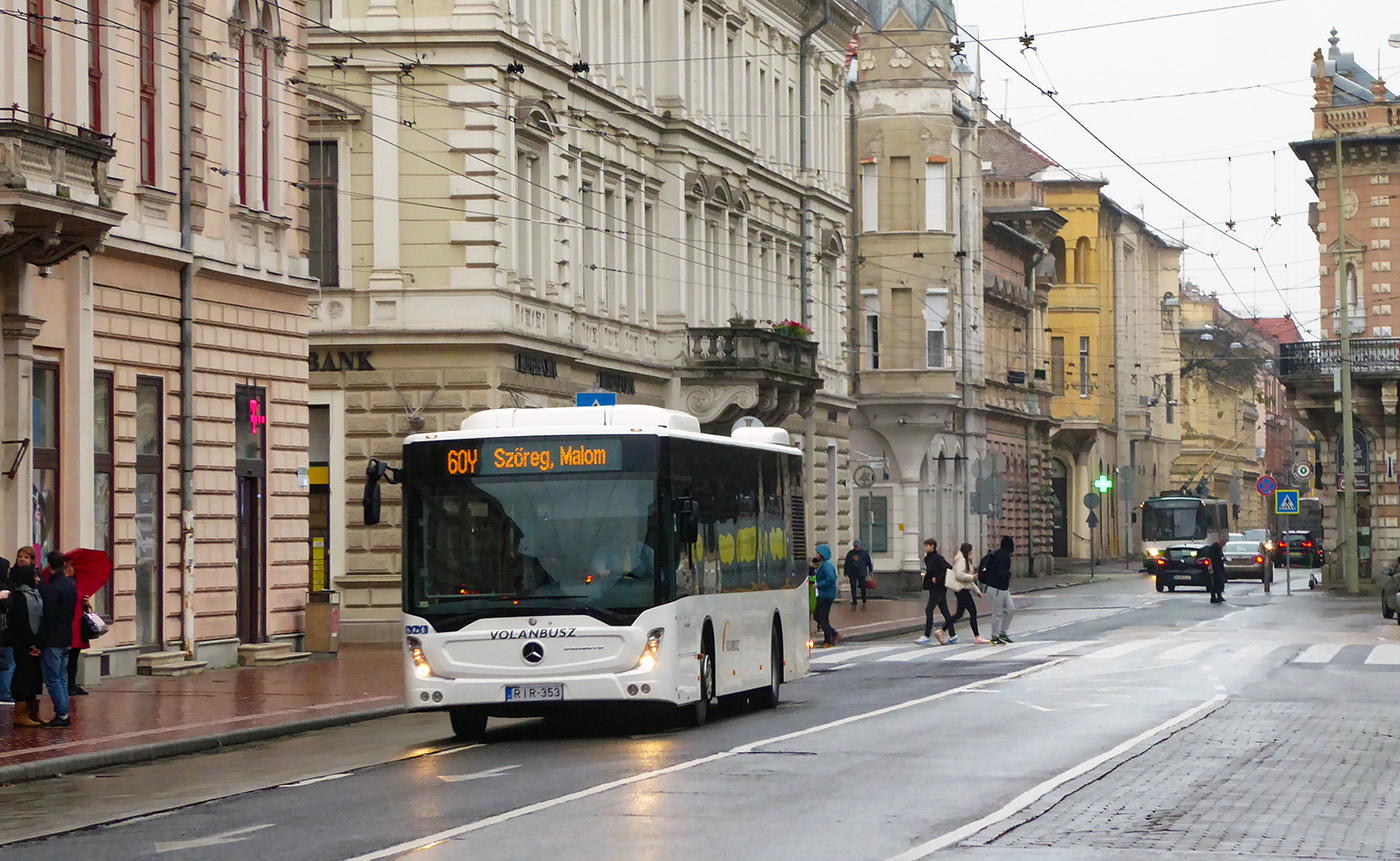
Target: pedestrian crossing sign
x,y
1286,502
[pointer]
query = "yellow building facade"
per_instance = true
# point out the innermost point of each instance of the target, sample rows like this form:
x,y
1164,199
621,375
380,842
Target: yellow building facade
x,y
1113,368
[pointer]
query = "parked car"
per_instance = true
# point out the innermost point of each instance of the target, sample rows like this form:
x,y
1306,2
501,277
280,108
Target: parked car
x,y
1301,549
1182,565
1263,536
1248,560
1390,586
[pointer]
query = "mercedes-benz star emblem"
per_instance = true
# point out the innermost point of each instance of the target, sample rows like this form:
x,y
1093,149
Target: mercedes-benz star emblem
x,y
533,653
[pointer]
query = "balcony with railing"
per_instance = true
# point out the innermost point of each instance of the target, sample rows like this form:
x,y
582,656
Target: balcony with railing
x,y
1370,357
733,371
55,197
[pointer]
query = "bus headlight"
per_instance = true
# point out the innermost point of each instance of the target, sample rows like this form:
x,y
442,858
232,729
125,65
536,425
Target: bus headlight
x,y
647,662
421,668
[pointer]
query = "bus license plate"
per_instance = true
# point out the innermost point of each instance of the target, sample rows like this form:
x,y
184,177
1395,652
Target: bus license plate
x,y
533,693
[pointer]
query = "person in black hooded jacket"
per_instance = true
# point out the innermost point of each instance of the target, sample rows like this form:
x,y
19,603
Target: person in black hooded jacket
x,y
24,618
56,635
935,583
996,578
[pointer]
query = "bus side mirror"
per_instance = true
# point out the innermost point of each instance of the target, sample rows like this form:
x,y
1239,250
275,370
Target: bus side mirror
x,y
373,473
687,521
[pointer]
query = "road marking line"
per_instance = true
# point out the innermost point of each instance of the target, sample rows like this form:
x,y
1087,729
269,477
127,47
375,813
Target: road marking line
x,y
479,775
931,652
992,653
1052,649
1253,653
1122,649
1387,654
1186,650
539,806
235,836
1037,792
846,654
1319,654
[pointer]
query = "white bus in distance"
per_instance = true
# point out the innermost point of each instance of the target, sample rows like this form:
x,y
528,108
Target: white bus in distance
x,y
1168,521
588,555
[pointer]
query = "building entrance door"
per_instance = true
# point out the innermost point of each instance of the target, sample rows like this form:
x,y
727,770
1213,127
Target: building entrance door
x,y
1059,529
250,562
251,470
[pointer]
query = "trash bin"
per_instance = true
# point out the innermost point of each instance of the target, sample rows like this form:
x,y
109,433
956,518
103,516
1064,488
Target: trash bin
x,y
322,621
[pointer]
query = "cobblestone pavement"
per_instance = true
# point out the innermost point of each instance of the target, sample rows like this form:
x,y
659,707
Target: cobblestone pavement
x,y
1258,779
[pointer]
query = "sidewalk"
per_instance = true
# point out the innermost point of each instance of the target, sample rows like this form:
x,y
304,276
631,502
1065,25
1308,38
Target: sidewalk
x,y
139,718
904,614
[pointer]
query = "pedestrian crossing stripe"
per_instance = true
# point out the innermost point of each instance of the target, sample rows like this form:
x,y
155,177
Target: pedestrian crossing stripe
x,y
1099,651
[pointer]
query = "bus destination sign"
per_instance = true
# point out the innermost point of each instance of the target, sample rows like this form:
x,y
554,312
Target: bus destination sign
x,y
535,458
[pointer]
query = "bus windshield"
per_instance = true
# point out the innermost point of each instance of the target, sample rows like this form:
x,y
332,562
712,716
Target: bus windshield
x,y
553,543
1173,520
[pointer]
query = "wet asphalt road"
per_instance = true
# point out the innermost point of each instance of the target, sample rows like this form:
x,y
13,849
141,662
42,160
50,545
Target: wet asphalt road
x,y
886,751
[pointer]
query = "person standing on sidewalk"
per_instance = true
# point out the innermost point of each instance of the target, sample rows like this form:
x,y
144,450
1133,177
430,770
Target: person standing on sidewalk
x,y
7,655
56,635
996,578
962,584
858,568
826,596
936,584
23,620
1216,554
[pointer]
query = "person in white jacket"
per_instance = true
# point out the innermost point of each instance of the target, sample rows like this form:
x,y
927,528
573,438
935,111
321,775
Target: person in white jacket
x,y
962,583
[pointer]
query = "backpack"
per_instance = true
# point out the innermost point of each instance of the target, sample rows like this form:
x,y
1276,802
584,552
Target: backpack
x,y
986,564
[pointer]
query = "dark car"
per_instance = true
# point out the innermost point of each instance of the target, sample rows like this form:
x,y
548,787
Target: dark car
x,y
1183,565
1302,549
1248,560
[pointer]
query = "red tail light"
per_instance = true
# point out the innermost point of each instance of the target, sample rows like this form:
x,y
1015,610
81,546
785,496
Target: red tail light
x,y
1283,544
1259,559
1307,543
1161,562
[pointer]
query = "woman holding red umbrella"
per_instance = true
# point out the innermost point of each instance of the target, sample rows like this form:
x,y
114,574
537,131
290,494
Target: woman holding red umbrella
x,y
90,569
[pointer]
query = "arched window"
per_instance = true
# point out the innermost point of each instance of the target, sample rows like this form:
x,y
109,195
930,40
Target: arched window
x,y
1083,261
1057,248
243,22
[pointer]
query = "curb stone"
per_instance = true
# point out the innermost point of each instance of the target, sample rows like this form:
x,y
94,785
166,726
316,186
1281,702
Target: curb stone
x,y
93,760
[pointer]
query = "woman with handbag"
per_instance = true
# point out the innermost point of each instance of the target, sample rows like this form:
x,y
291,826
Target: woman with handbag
x,y
962,584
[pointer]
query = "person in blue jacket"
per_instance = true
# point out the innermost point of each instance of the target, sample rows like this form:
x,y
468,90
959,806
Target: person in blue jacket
x,y
826,596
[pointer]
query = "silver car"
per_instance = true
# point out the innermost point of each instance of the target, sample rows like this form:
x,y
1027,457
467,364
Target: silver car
x,y
1248,560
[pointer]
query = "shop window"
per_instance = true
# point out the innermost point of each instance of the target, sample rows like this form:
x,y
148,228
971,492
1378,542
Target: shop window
x,y
46,458
102,481
875,523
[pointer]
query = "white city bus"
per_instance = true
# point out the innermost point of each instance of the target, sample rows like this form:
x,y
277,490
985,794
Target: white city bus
x,y
558,557
1171,520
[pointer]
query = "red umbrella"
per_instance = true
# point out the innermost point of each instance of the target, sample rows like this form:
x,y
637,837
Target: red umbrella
x,y
91,569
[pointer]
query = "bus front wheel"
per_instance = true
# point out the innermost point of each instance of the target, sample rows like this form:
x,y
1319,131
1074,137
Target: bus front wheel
x,y
468,724
698,712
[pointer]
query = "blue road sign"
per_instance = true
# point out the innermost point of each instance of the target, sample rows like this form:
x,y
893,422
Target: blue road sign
x,y
1286,502
595,399
1266,485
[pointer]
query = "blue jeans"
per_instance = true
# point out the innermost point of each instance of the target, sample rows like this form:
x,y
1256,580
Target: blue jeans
x,y
7,671
55,662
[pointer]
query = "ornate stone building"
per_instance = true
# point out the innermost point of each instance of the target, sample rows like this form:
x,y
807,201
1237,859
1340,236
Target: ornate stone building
x,y
514,203
1357,107
91,255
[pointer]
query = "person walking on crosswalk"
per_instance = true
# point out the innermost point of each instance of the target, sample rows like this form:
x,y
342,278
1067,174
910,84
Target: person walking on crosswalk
x,y
936,584
962,584
996,577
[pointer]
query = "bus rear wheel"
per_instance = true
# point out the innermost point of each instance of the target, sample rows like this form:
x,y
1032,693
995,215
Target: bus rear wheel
x,y
468,724
767,698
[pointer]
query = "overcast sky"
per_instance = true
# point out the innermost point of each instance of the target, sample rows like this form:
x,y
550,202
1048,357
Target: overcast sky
x,y
1224,154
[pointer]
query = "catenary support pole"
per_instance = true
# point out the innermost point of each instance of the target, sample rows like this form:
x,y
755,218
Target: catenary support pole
x,y
182,45
1347,494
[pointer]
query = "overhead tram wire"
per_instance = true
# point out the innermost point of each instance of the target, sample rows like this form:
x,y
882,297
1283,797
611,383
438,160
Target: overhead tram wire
x,y
1193,213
